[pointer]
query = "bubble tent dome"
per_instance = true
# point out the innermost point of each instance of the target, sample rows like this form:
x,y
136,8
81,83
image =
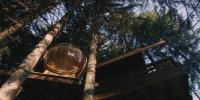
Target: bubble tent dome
x,y
65,59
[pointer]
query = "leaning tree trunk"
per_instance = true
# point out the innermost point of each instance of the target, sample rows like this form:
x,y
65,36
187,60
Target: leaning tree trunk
x,y
7,38
47,6
10,30
10,88
91,70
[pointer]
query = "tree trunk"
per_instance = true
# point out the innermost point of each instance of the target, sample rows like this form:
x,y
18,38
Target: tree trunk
x,y
14,28
10,88
11,41
10,30
91,70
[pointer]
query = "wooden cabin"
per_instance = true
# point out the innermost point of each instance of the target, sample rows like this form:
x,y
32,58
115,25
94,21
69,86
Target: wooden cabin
x,y
124,77
163,80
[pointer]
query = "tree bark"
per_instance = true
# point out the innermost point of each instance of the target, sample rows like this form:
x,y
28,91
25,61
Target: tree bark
x,y
91,70
10,30
10,88
18,25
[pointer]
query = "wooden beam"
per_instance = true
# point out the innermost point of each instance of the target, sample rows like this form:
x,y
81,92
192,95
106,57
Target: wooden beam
x,y
46,77
105,95
129,53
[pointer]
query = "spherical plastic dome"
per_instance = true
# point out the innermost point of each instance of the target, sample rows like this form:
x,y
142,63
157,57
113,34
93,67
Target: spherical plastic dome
x,y
65,59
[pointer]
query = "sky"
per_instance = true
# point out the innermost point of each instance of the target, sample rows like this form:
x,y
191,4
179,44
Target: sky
x,y
40,25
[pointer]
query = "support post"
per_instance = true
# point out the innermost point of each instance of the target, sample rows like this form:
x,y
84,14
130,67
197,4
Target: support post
x,y
91,70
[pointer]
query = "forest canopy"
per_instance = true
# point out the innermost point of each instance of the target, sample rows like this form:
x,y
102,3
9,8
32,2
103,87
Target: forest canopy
x,y
121,25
